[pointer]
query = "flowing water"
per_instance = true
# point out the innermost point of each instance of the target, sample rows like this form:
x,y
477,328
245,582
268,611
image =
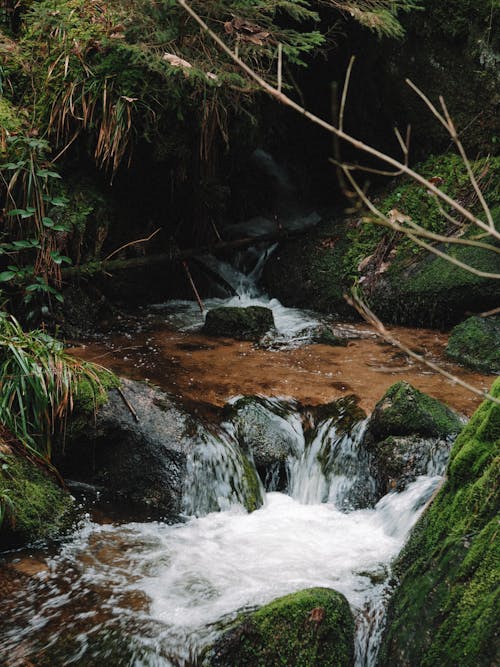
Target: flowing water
x,y
153,594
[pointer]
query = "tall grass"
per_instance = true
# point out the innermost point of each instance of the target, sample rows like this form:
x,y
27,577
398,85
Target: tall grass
x,y
39,382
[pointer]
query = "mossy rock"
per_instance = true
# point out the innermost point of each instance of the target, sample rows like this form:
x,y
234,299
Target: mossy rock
x,y
476,343
306,629
404,410
249,323
445,611
34,506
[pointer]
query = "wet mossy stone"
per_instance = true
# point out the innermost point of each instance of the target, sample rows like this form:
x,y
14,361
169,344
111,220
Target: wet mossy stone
x,y
306,629
35,507
241,323
405,410
445,611
476,343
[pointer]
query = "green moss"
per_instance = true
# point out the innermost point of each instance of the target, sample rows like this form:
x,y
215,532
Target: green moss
x,y
446,609
305,629
404,410
252,489
91,395
242,323
476,343
34,506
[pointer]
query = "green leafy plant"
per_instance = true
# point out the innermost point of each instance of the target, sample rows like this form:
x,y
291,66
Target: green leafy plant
x,y
39,382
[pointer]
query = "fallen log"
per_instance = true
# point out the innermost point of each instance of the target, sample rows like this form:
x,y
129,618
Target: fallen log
x,y
177,254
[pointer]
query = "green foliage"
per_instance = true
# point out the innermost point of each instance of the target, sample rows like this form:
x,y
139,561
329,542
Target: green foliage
x,y
446,609
40,382
31,238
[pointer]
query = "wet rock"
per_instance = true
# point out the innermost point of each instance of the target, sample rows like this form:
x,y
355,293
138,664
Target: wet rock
x,y
139,461
241,323
398,461
325,336
404,410
264,432
308,628
476,343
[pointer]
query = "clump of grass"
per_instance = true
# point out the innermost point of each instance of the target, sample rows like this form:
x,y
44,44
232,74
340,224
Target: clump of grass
x,y
39,383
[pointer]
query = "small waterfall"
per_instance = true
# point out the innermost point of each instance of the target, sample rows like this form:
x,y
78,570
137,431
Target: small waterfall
x,y
219,475
333,468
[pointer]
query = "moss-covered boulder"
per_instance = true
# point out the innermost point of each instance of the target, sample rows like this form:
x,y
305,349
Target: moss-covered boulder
x,y
446,609
306,629
404,410
476,343
32,505
241,323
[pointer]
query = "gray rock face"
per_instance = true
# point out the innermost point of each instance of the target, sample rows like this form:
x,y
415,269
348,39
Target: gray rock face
x,y
264,432
139,461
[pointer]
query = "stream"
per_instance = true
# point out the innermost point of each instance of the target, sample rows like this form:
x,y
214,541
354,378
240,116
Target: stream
x,y
154,594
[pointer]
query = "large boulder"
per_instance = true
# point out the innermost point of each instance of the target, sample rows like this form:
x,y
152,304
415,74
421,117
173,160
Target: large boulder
x,y
137,454
306,629
142,449
476,343
404,410
249,323
446,608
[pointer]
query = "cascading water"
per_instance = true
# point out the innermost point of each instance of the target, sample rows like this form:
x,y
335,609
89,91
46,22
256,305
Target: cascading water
x,y
153,594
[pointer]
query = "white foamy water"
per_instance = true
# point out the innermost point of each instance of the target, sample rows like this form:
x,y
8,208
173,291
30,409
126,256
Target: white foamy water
x,y
191,575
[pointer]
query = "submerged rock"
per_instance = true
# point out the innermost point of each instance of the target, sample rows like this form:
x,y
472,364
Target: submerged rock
x,y
445,611
306,629
241,323
476,343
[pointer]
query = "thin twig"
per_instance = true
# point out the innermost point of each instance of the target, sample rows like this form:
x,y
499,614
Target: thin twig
x,y
127,403
132,243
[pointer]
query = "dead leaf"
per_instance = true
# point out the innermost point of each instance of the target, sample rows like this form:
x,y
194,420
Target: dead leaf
x,y
364,263
176,61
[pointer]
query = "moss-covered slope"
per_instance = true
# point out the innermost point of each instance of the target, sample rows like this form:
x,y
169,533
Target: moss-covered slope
x,y
446,608
33,506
